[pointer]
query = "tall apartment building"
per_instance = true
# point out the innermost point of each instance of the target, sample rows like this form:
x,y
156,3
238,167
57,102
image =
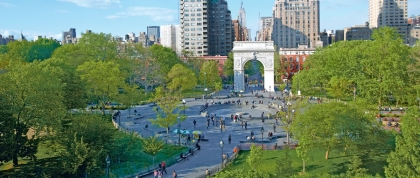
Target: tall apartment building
x,y
265,29
392,13
206,27
295,22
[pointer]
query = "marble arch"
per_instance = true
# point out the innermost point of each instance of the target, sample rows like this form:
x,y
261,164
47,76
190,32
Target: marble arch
x,y
244,51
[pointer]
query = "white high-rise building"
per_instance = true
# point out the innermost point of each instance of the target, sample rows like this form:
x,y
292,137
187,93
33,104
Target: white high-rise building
x,y
392,13
388,13
178,37
168,36
295,23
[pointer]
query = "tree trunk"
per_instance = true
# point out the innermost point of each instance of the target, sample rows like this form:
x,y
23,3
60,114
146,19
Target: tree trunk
x,y
287,138
303,166
354,92
327,153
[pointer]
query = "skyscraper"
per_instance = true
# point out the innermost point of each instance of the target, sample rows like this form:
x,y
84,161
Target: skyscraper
x,y
295,22
153,32
392,13
242,16
168,36
206,27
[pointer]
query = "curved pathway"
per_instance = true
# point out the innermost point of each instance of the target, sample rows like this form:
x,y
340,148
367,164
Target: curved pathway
x,y
210,154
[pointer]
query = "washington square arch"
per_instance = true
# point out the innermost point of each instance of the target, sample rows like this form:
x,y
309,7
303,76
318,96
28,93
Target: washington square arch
x,y
244,51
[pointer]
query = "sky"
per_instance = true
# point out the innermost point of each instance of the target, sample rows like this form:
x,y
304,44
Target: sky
x,y
119,17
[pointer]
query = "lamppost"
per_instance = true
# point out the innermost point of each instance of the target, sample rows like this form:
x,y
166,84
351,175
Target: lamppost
x,y
179,134
183,102
262,132
289,119
221,146
205,90
108,161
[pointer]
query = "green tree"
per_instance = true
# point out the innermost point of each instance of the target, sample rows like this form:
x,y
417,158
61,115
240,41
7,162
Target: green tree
x,y
405,160
34,94
167,109
103,79
165,58
152,146
209,74
130,96
97,46
255,157
228,67
84,144
355,168
180,78
333,125
218,86
284,164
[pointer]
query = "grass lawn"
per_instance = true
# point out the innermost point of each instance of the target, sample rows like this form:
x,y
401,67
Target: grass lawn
x,y
336,164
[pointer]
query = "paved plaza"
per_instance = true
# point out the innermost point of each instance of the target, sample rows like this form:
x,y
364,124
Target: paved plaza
x,y
210,154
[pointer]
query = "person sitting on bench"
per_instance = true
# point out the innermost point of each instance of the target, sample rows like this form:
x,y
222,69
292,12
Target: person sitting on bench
x,y
182,156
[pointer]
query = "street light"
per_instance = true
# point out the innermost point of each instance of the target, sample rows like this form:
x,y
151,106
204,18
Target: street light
x,y
262,132
221,146
183,102
108,161
205,90
288,120
179,134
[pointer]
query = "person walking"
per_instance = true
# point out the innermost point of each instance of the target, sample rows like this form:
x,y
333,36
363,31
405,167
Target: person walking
x,y
164,167
274,127
242,124
207,173
229,138
212,119
208,124
174,175
246,124
194,122
221,127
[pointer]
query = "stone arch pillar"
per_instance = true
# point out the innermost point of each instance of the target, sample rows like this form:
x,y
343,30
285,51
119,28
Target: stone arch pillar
x,y
263,51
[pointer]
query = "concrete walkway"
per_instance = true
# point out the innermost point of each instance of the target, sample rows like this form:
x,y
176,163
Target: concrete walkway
x,y
210,154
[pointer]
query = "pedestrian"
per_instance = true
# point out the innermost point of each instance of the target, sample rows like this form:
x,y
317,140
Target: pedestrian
x,y
194,122
212,119
135,112
229,138
242,124
207,173
160,174
277,121
246,124
174,175
221,127
155,174
274,127
164,167
208,124
231,117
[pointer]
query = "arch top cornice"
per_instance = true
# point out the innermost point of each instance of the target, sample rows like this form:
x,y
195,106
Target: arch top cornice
x,y
253,46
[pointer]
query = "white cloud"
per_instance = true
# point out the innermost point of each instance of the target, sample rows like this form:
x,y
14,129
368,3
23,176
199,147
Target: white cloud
x,y
155,13
93,3
6,4
30,35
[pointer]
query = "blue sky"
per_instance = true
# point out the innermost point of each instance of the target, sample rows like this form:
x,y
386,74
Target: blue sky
x,y
119,17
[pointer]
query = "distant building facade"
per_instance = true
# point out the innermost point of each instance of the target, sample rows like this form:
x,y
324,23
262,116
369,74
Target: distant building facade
x,y
296,22
153,32
4,40
206,27
168,36
294,58
69,37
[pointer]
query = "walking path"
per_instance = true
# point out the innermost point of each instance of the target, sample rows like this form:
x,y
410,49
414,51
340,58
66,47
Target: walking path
x,y
210,154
